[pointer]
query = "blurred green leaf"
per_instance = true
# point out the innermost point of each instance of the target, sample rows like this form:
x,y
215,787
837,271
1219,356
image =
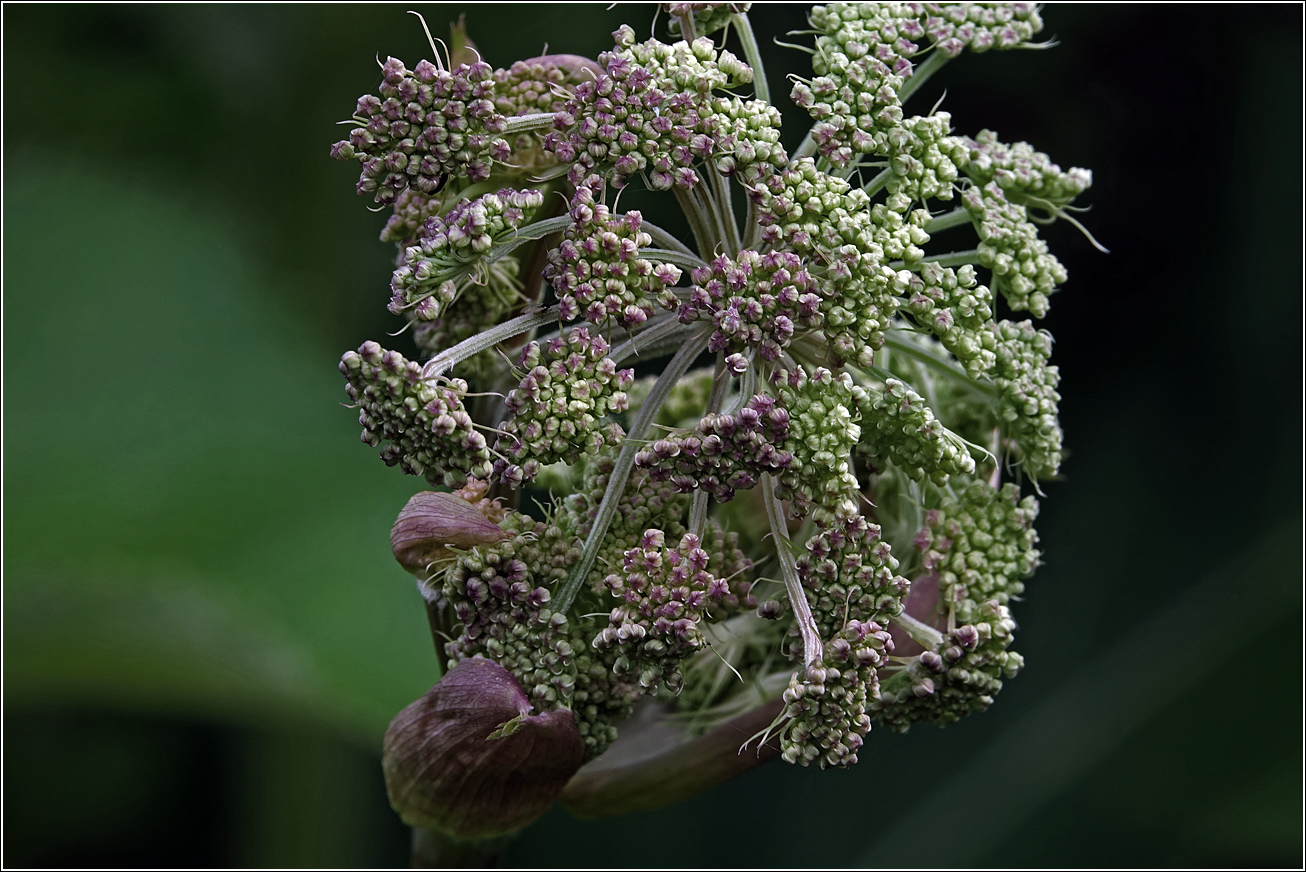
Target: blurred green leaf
x,y
191,522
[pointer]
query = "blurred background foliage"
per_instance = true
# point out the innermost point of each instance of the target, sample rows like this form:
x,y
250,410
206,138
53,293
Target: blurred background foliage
x,y
205,634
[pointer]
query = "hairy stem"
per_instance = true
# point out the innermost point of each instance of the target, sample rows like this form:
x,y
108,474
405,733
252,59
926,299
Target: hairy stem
x,y
665,239
752,55
481,341
621,469
666,327
698,222
523,123
813,649
529,233
721,187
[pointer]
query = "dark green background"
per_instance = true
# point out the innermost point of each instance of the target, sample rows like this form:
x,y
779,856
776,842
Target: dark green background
x,y
204,632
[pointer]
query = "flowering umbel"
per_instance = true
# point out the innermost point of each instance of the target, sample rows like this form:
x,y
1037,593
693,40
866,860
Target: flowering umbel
x,y
814,513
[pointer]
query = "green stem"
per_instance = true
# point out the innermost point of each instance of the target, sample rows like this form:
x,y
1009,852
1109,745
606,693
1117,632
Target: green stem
x,y
916,353
921,74
665,239
481,341
881,179
752,225
720,382
708,204
813,649
529,233
697,220
622,468
721,189
679,258
761,90
923,633
952,258
947,221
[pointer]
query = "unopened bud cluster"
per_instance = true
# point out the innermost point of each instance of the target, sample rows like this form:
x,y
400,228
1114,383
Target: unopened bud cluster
x,y
822,410
427,125
980,545
956,678
420,424
903,431
653,114
724,453
1020,170
665,593
597,271
558,408
755,303
1023,270
450,251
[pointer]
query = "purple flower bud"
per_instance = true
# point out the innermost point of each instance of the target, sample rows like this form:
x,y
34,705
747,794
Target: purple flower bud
x,y
470,760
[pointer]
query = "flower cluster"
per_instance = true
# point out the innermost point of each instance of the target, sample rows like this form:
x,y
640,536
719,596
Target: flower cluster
x,y
422,423
958,676
755,302
901,429
725,452
980,545
451,248
653,113
570,385
708,17
427,125
826,710
1020,170
822,433
1027,386
956,308
596,270
665,594
1023,270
